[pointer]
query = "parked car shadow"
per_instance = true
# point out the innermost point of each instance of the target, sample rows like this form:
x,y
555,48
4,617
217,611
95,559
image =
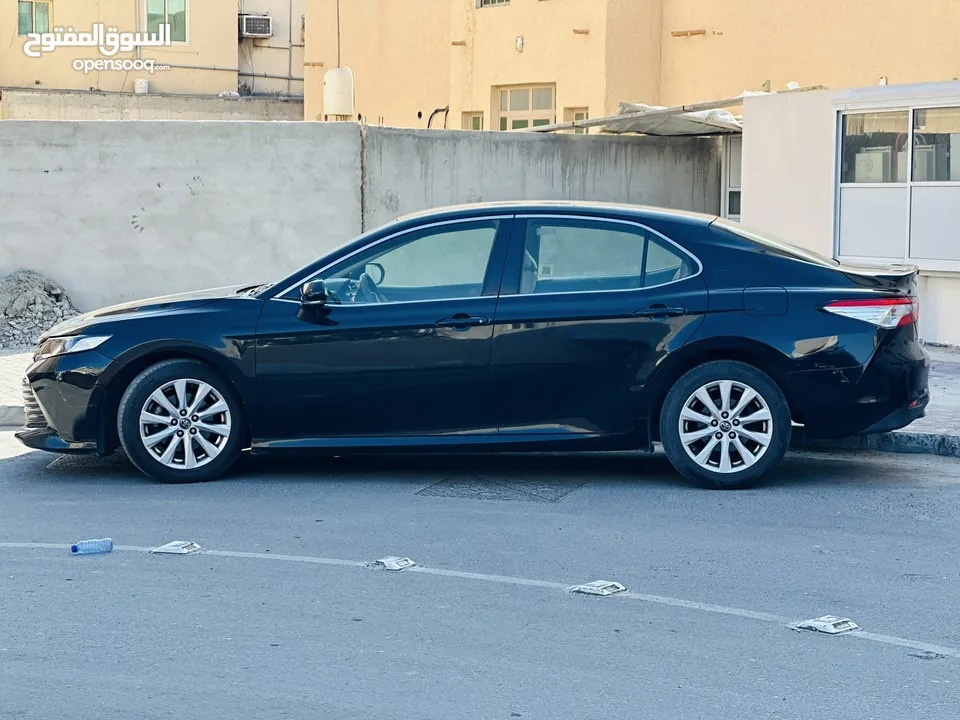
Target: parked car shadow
x,y
804,468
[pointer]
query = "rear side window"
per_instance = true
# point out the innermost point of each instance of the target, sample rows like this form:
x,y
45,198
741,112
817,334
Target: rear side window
x,y
775,246
591,256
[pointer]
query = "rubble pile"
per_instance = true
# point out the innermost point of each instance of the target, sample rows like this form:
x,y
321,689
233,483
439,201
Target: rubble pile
x,y
30,304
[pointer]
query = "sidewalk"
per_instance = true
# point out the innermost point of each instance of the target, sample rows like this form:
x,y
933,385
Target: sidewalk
x,y
938,433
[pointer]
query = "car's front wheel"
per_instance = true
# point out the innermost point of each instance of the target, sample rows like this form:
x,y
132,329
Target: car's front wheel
x,y
725,424
179,421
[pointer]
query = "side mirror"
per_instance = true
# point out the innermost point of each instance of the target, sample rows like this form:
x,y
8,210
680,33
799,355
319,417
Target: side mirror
x,y
313,294
376,272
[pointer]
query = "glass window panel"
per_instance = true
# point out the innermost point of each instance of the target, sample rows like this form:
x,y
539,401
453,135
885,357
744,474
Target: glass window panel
x,y
41,17
541,122
733,203
874,147
155,15
434,264
24,18
936,145
519,100
543,99
477,122
503,100
580,256
519,124
665,263
503,123
177,17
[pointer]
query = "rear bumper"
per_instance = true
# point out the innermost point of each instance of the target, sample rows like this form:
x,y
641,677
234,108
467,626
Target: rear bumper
x,y
878,397
900,418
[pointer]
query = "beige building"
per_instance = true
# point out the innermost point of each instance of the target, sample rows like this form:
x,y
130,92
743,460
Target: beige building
x,y
207,54
518,63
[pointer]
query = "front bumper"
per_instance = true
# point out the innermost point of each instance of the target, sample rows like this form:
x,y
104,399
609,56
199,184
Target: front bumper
x,y
62,397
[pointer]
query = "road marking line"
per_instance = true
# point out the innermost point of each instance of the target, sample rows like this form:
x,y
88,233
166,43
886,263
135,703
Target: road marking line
x,y
529,582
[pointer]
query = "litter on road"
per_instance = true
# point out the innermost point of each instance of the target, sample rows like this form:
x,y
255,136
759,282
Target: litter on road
x,y
829,624
92,547
599,587
177,547
393,563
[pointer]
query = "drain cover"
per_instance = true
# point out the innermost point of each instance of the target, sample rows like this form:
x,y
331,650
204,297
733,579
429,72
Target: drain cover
x,y
177,547
599,587
829,624
483,487
393,563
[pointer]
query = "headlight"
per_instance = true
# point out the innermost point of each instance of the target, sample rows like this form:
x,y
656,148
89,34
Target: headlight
x,y
73,344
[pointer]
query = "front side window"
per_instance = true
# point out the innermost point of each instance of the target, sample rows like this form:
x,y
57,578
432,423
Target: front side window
x,y
591,256
440,263
171,12
33,17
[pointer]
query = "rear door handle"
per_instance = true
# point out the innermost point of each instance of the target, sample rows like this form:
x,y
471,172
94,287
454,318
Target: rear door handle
x,y
656,311
458,321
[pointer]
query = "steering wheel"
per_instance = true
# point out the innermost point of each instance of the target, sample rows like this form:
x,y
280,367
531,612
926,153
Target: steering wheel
x,y
367,292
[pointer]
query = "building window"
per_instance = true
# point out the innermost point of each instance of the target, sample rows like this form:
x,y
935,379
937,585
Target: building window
x,y
471,121
874,148
33,17
526,107
488,3
732,173
169,12
576,115
899,194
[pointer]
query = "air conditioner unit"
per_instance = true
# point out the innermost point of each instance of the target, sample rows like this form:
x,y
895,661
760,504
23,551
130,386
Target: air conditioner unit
x,y
255,26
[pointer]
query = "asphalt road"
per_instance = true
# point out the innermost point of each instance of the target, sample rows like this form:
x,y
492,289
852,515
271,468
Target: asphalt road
x,y
281,620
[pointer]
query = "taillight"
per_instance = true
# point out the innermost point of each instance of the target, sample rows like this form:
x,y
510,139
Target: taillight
x,y
882,312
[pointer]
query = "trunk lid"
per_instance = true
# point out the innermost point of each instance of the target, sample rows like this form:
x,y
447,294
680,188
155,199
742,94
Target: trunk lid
x,y
894,277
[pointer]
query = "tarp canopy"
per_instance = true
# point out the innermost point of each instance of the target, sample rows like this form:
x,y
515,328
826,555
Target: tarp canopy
x,y
703,122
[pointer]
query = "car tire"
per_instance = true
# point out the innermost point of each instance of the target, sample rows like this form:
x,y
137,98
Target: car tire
x,y
729,446
184,448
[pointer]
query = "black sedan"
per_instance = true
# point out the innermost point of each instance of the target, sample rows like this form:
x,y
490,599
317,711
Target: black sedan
x,y
510,327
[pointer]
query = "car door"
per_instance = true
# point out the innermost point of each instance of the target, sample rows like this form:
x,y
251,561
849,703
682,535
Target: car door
x,y
588,308
401,347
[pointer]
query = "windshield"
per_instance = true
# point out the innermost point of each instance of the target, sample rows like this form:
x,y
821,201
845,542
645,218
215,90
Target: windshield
x,y
779,246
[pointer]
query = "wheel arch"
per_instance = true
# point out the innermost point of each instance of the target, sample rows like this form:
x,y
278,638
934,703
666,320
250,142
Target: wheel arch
x,y
761,356
135,362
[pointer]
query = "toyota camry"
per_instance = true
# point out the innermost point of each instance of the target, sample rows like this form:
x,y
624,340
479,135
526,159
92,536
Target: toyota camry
x,y
506,326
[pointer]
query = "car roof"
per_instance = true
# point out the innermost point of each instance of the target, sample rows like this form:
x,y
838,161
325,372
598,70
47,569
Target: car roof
x,y
567,207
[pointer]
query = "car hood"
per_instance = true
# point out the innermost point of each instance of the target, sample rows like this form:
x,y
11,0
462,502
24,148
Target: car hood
x,y
139,308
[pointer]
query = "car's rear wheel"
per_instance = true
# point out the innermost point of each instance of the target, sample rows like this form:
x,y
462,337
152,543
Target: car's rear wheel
x,y
725,424
179,421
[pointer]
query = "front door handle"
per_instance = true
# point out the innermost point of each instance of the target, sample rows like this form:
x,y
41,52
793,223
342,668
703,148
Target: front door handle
x,y
463,321
660,311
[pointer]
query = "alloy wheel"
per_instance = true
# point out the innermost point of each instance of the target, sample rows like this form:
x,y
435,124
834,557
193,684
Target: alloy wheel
x,y
185,423
726,426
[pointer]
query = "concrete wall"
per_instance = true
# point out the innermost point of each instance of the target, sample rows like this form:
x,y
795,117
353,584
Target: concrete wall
x,y
787,167
18,104
409,170
116,211
119,211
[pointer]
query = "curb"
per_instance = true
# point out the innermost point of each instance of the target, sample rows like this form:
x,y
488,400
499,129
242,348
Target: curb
x,y
12,416
897,442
